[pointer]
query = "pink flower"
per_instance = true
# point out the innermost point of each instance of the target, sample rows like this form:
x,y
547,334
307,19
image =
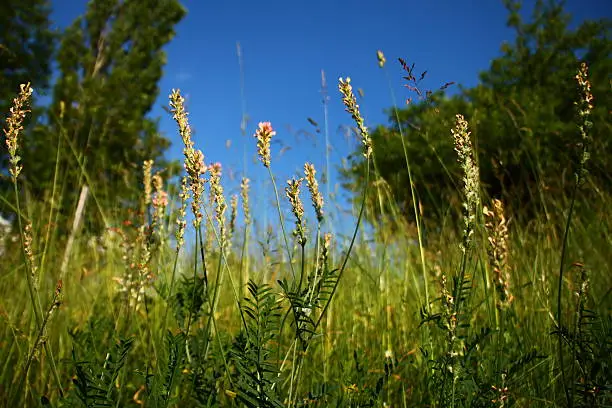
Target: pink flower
x,y
266,128
215,168
264,135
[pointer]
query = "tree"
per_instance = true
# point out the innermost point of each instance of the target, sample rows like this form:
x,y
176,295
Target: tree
x,y
522,119
26,50
110,62
528,96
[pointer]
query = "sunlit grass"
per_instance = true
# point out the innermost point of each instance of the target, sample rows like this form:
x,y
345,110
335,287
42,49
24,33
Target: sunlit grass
x,y
489,312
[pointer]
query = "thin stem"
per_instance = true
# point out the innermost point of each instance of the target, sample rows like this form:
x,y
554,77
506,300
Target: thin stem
x,y
282,223
49,220
34,299
244,260
171,290
195,275
417,219
350,248
327,144
568,395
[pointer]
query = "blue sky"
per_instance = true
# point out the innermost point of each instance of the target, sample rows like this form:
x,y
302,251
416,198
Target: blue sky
x,y
286,44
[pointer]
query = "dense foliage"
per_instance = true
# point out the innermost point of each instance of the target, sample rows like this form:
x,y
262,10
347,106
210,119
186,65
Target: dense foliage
x,y
26,50
97,129
522,119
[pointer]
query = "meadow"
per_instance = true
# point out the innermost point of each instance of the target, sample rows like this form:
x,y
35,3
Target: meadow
x,y
181,302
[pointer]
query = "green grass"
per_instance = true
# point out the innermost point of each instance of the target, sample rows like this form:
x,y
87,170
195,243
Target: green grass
x,y
363,321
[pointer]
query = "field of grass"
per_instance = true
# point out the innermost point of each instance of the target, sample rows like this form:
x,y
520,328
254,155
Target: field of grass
x,y
489,312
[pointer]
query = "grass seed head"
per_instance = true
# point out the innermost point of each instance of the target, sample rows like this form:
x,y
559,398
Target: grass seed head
x,y
350,102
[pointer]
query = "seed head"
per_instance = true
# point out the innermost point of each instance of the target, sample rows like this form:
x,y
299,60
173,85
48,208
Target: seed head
x,y
14,126
293,194
146,172
29,251
324,256
585,107
497,230
194,159
471,178
350,102
313,187
263,135
182,213
219,199
159,200
233,216
244,194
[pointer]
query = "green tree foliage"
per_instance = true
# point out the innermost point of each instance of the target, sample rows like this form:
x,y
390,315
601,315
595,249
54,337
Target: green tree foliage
x,y
110,62
26,49
522,117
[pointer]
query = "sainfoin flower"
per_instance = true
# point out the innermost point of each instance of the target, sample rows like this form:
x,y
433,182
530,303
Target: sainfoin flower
x,y
471,178
313,187
216,189
264,134
194,158
14,126
293,194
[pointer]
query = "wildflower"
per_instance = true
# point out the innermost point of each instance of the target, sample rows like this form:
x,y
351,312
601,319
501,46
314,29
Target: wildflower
x,y
313,187
180,219
146,170
585,107
145,276
159,200
502,393
471,183
219,200
263,135
497,229
244,194
233,215
28,249
350,102
194,159
306,311
324,256
15,126
293,194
